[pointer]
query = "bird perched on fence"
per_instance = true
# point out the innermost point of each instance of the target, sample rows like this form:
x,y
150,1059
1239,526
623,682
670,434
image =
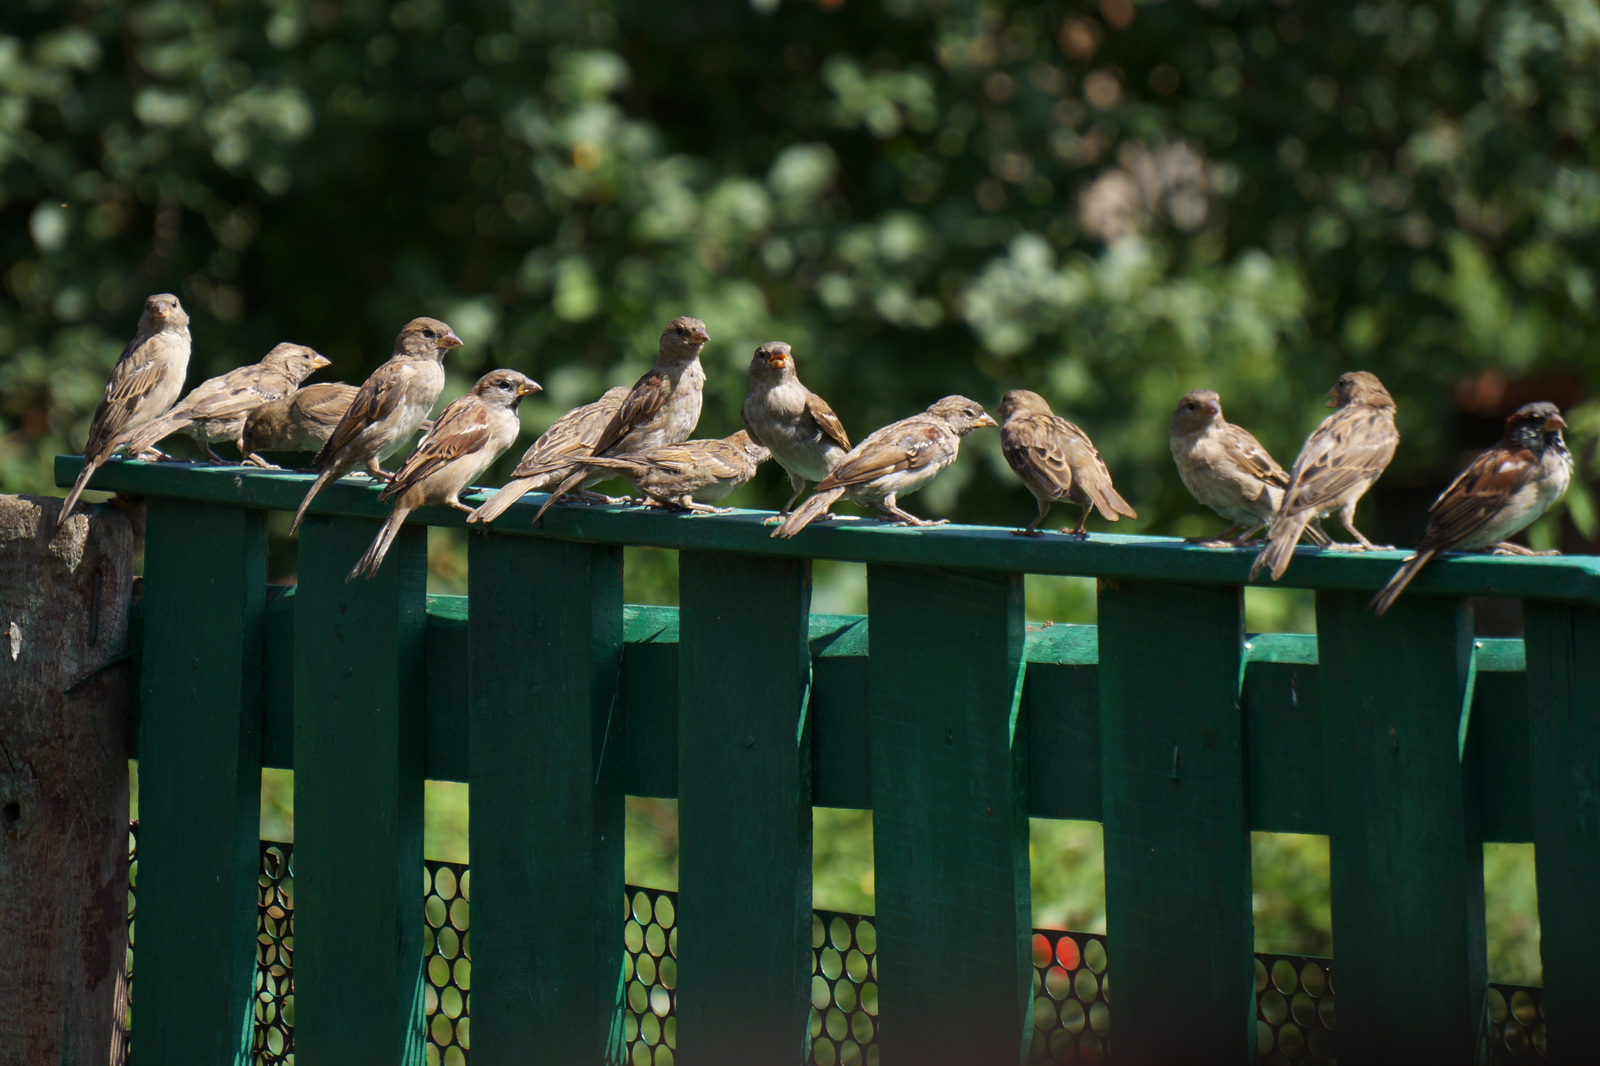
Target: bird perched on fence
x,y
216,409
692,475
552,458
662,408
1336,466
299,422
895,461
145,383
471,433
1056,461
797,426
1227,470
1505,490
388,407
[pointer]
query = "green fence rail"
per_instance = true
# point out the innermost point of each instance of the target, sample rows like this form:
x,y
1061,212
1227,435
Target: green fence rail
x,y
1404,739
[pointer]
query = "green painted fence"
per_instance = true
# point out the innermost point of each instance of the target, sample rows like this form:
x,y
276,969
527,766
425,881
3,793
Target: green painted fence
x,y
1404,739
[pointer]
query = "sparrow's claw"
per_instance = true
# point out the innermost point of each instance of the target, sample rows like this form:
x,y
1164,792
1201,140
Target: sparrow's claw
x,y
1027,532
1506,547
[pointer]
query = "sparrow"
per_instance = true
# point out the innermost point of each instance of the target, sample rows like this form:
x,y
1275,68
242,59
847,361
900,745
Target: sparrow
x,y
1336,466
1056,461
145,383
1227,470
553,457
216,409
299,422
692,475
895,461
801,430
388,407
662,408
471,433
1505,490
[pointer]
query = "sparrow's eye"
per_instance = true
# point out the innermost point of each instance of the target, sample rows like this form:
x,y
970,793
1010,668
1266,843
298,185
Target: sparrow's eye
x,y
430,334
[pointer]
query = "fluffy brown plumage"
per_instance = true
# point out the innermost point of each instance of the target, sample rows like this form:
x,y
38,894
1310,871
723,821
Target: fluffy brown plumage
x,y
1227,470
471,433
895,461
692,475
1056,461
216,409
1336,466
662,408
797,426
552,458
145,383
1505,490
388,407
300,422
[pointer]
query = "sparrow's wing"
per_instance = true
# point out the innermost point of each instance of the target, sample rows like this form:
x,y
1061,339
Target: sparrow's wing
x,y
828,423
461,430
1251,457
326,403
1094,480
571,437
906,445
1477,497
649,395
379,397
136,373
1352,445
1037,446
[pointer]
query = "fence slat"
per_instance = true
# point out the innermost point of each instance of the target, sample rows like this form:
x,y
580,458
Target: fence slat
x,y
744,809
359,677
1407,857
950,826
547,816
1564,734
200,780
1177,841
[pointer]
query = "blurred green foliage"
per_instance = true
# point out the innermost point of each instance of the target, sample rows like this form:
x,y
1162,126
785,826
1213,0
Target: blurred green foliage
x,y
1110,202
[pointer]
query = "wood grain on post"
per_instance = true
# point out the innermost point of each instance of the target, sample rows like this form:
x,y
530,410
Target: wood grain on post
x,y
64,697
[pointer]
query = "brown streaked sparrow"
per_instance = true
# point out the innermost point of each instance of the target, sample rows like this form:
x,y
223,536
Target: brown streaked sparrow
x,y
1056,461
552,458
1505,490
692,475
300,422
797,426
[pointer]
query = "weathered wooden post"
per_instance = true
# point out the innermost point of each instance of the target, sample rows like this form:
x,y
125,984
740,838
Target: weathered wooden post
x,y
63,779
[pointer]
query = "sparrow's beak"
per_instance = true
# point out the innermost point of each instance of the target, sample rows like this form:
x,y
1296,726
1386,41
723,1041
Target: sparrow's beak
x,y
528,388
1333,397
319,361
778,360
983,422
450,340
160,312
1554,422
699,336
1214,408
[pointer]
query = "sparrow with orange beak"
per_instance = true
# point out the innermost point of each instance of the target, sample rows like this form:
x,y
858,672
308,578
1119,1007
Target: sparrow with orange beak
x,y
796,425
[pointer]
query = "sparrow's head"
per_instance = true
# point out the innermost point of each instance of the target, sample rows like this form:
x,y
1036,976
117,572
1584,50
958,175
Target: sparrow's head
x,y
505,388
773,361
426,338
1358,386
757,452
1196,411
1535,426
683,338
162,312
295,362
1019,403
962,414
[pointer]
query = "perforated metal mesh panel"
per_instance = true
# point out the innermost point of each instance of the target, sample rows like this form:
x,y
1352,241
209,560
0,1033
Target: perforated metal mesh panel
x,y
1295,1019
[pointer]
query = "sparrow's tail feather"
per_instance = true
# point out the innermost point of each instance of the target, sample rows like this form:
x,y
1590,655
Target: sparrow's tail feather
x,y
151,433
1278,548
807,512
89,467
573,481
1110,503
316,487
501,501
369,563
1397,584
